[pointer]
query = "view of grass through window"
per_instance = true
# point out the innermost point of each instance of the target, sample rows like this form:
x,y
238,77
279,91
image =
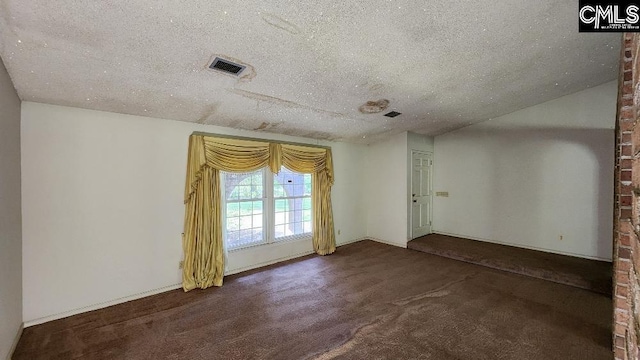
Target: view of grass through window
x,y
292,196
247,203
244,194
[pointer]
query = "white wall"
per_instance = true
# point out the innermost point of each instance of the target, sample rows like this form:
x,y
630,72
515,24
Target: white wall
x,y
529,177
419,143
386,190
10,216
388,186
103,208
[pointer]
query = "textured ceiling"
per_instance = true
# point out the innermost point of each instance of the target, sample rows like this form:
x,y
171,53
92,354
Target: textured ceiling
x,y
311,65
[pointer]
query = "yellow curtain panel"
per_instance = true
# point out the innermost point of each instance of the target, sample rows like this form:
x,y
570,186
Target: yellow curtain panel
x,y
208,155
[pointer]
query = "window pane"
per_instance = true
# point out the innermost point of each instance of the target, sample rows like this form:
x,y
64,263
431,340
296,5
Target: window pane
x,y
244,205
288,190
245,222
280,218
292,192
239,186
232,237
233,223
245,237
233,209
257,221
243,196
295,228
246,208
278,189
281,205
257,207
306,203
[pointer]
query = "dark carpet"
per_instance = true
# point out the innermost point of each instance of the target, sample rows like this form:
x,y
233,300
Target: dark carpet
x,y
366,301
587,274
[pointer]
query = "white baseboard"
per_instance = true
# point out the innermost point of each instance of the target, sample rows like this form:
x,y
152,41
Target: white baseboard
x,y
284,258
352,241
15,342
162,289
267,263
523,246
404,246
101,305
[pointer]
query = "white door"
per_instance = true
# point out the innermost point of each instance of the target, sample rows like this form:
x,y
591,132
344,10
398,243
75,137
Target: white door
x,y
420,194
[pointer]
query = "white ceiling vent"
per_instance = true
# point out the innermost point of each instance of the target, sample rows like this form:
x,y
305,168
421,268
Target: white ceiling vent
x,y
226,66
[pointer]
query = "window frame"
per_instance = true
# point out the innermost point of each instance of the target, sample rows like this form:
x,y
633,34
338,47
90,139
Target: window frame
x,y
224,204
268,212
303,235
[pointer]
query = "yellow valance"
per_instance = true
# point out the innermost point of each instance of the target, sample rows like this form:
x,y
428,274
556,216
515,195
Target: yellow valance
x,y
239,155
208,155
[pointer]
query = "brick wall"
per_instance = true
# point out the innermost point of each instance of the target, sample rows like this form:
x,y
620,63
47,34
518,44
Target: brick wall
x,y
626,259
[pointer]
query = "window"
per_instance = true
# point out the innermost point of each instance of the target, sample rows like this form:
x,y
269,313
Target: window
x,y
292,196
244,198
260,207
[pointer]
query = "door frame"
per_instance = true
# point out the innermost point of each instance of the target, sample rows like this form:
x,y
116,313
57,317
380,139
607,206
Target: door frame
x,y
410,192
